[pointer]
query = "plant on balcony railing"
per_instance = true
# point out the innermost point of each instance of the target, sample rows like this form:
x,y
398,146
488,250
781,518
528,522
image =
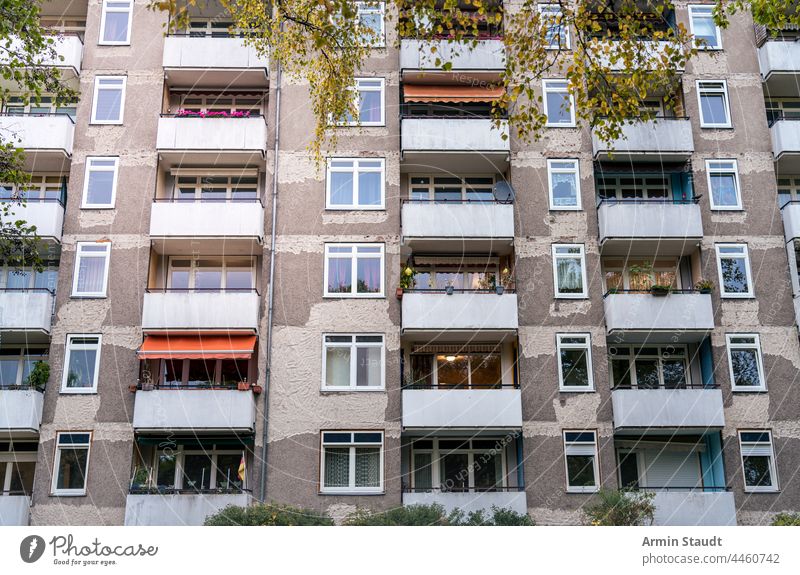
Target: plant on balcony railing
x,y
37,378
704,285
621,507
212,114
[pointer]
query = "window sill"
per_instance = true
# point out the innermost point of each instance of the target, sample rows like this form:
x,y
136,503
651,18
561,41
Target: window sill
x,y
355,209
97,207
735,297
350,493
764,491
334,391
73,392
744,390
573,491
715,127
68,494
73,296
339,296
565,390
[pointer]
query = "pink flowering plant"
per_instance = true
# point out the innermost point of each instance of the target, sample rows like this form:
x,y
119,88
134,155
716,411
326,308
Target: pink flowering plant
x,y
213,114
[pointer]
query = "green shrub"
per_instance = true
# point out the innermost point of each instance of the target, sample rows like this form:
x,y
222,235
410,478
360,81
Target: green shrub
x,y
434,515
499,516
38,376
267,514
786,519
619,507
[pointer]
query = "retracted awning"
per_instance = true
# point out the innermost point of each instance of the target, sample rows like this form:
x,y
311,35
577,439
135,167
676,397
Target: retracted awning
x,y
453,94
181,346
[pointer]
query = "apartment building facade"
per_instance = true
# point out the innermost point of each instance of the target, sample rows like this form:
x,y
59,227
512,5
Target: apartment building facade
x,y
457,317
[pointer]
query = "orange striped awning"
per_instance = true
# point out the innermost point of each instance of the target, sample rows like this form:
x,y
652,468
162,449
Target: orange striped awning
x,y
183,346
426,93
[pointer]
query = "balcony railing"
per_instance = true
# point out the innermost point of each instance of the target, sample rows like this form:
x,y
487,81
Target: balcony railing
x,y
686,406
686,314
47,214
228,218
178,508
200,308
662,138
477,406
423,385
21,409
445,489
212,408
513,498
27,309
785,134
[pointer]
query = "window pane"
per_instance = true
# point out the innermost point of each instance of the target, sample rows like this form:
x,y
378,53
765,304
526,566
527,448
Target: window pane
x,y
340,275
368,466
234,371
369,275
116,28
196,471
620,373
165,477
734,275
423,471
370,108
337,366
8,371
745,367
705,29
173,372
486,370
647,373
488,471
179,279
22,477
558,109
91,273
72,468
574,368
341,188
565,192
208,279
674,374
454,471
337,467
712,107
723,189
756,471
368,366
80,372
201,371
18,279
580,470
228,471
453,369
570,277
239,279
107,106
369,188
100,187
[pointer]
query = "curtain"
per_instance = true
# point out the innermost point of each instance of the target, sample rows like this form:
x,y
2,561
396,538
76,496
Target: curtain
x,y
370,108
116,29
339,275
569,275
368,461
91,270
108,104
337,467
368,366
423,471
369,275
337,366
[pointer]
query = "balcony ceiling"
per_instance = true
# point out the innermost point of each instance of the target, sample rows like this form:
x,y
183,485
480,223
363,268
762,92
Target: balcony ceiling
x,y
457,246
464,337
175,246
455,162
216,78
649,247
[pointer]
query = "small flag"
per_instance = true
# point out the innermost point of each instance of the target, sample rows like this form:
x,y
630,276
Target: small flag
x,y
241,469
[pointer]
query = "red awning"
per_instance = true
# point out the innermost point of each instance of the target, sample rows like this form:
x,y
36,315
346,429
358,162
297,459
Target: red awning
x,y
181,346
425,93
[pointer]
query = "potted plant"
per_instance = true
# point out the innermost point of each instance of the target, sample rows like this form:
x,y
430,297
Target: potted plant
x,y
660,290
488,282
449,289
140,478
704,286
642,270
505,281
37,378
406,281
243,386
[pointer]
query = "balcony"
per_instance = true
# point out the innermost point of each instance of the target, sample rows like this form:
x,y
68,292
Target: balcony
x,y
20,411
178,508
512,498
633,227
460,408
69,56
460,314
46,139
223,141
694,508
790,213
192,409
14,510
698,407
779,61
662,139
182,309
29,311
685,315
648,56
487,57
478,227
176,224
785,134
46,215
213,63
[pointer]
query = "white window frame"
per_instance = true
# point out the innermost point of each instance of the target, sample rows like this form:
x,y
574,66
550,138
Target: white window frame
x,y
475,459
80,347
553,11
581,451
745,255
751,450
715,166
352,490
354,267
374,7
181,452
57,463
24,356
575,170
353,346
586,346
545,89
224,267
106,255
122,88
356,90
582,257
724,91
466,187
7,461
632,353
355,170
87,174
755,346
706,10
115,9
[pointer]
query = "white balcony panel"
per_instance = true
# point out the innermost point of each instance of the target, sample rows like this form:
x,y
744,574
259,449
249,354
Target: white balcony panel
x,y
20,410
486,55
194,409
467,502
454,134
200,310
786,145
48,217
687,316
668,139
455,221
791,221
459,408
207,219
644,408
659,221
189,138
68,55
26,310
460,311
178,509
694,508
779,58
15,510
41,134
224,62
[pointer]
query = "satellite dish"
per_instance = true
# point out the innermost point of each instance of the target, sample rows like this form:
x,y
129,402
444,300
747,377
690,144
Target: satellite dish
x,y
503,192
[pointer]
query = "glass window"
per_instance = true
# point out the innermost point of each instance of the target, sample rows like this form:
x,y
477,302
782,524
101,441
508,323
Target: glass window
x,y
580,452
714,106
71,463
91,269
629,187
370,15
344,262
723,184
559,105
355,183
648,367
369,94
17,364
575,362
733,262
557,35
202,468
569,270
100,182
744,359
352,462
564,183
115,22
788,190
212,274
82,361
758,461
353,362
216,188
458,465
705,30
109,99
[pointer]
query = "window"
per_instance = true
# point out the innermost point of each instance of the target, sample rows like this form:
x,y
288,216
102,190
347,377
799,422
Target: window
x,y
574,362
640,275
631,187
559,105
456,367
580,453
370,15
241,187
788,190
213,27
28,278
109,99
16,365
564,183
46,105
557,36
115,22
352,462
343,262
758,461
723,184
17,466
369,93
197,468
100,182
442,272
71,463
202,373
82,364
219,104
353,362
40,188
703,27
91,269
452,188
744,360
355,184
212,274
714,107
782,109
459,465
733,262
648,367
569,270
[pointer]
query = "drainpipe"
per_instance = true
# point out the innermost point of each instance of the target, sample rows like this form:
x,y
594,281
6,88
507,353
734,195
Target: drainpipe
x,y
262,486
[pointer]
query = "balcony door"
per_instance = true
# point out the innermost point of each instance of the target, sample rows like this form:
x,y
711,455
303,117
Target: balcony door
x,y
659,467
